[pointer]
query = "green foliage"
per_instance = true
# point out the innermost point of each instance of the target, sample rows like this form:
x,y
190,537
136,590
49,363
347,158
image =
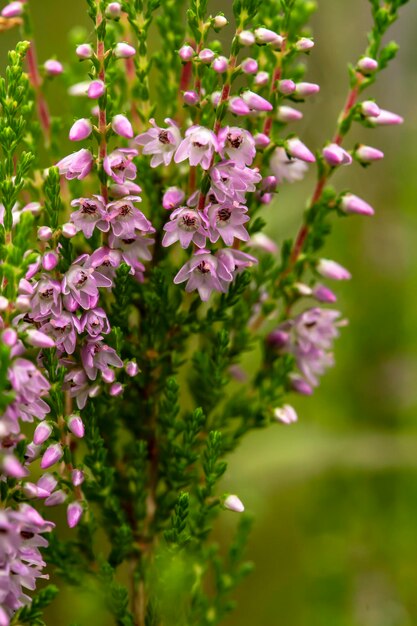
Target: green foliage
x,y
32,614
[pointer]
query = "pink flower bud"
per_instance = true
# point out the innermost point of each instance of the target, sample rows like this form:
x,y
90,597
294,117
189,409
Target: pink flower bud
x,y
264,243
50,261
116,389
23,303
333,270
233,503
335,155
12,467
353,204
132,368
52,455
113,10
278,339
220,22
121,126
238,107
303,289
77,477
262,78
172,199
96,89
206,55
76,426
246,38
386,118
324,294
249,66
108,376
286,87
264,35
123,50
304,44
14,9
25,287
9,337
255,101
286,414
56,498
288,114
367,154
370,108
220,65
53,67
84,51
69,230
4,303
191,98
367,65
39,339
42,432
44,233
299,385
297,149
261,140
306,89
186,52
74,513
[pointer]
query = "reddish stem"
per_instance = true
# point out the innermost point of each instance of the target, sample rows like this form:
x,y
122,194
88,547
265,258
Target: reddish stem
x,y
36,81
102,122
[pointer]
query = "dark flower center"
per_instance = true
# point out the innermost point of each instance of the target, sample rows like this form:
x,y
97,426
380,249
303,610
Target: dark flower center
x,y
163,137
203,267
89,208
46,294
223,214
234,140
82,279
125,210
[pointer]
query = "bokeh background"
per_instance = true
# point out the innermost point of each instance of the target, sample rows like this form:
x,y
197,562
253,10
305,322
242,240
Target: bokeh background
x,y
335,496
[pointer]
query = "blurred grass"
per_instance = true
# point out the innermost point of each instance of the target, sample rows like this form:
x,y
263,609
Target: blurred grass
x,y
335,496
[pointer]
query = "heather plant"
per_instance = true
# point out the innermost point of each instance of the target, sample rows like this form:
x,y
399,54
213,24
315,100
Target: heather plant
x,y
147,321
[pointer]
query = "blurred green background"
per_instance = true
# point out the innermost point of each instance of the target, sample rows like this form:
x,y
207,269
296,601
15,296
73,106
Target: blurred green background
x,y
335,496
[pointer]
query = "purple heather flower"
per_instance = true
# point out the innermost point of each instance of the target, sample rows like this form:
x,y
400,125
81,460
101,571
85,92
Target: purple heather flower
x,y
77,383
27,380
76,425
262,140
52,455
127,189
199,146
233,503
262,78
333,270
9,337
39,339
121,126
255,102
238,144
220,64
116,389
81,282
288,114
53,67
232,182
249,66
335,155
63,328
285,414
74,513
286,86
324,294
186,226
172,198
95,322
263,242
367,65
265,35
96,355
96,89
132,368
353,204
369,108
206,55
123,50
13,9
81,129
12,467
226,221
77,477
386,118
42,432
237,106
367,154
91,214
76,165
233,261
84,51
204,273
49,261
56,498
220,21
191,97
285,168
298,150
304,44
160,142
246,38
125,219
114,10
118,165
186,52
106,260
304,89
68,230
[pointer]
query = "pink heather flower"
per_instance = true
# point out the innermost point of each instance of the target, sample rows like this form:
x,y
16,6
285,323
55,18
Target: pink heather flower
x,y
369,108
255,102
191,98
186,226
303,90
220,64
114,10
203,272
206,55
12,467
367,65
264,243
246,38
121,126
39,339
91,214
186,52
232,182
220,22
304,44
84,51
262,140
288,114
76,426
286,86
249,66
82,283
335,155
262,78
324,294
226,221
386,118
285,168
238,144
353,204
53,67
118,165
265,35
81,129
45,233
106,260
77,477
95,322
9,337
285,414
52,455
233,262
13,9
56,498
123,50
50,261
198,146
333,270
47,298
77,383
232,502
132,368
124,218
116,389
238,107
96,89
97,356
74,513
297,149
367,154
172,198
4,303
127,189
76,165
42,432
160,142
63,328
68,230
132,249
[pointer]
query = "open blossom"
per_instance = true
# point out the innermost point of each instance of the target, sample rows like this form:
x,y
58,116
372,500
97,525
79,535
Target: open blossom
x,y
186,226
119,166
203,272
238,144
124,218
97,356
81,283
95,322
160,142
226,221
27,380
63,328
286,168
46,299
79,387
230,182
76,165
199,146
91,214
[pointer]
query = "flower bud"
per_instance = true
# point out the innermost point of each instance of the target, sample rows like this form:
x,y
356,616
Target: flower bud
x,y
333,270
44,233
52,455
39,339
286,87
123,50
4,303
191,98
23,303
53,67
335,155
108,376
233,503
367,154
255,101
84,51
262,140
121,126
77,477
9,337
76,426
304,89
324,294
386,118
132,368
96,89
206,55
353,204
288,114
50,261
304,44
186,52
262,78
220,22
278,339
13,9
74,513
370,108
264,243
12,467
69,230
220,65
264,35
297,149
302,289
42,432
285,414
116,389
215,98
113,10
299,385
238,106
47,484
56,498
249,66
171,199
246,38
367,65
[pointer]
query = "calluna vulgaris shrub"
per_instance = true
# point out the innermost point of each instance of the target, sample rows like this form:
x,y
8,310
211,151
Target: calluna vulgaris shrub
x,y
135,276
